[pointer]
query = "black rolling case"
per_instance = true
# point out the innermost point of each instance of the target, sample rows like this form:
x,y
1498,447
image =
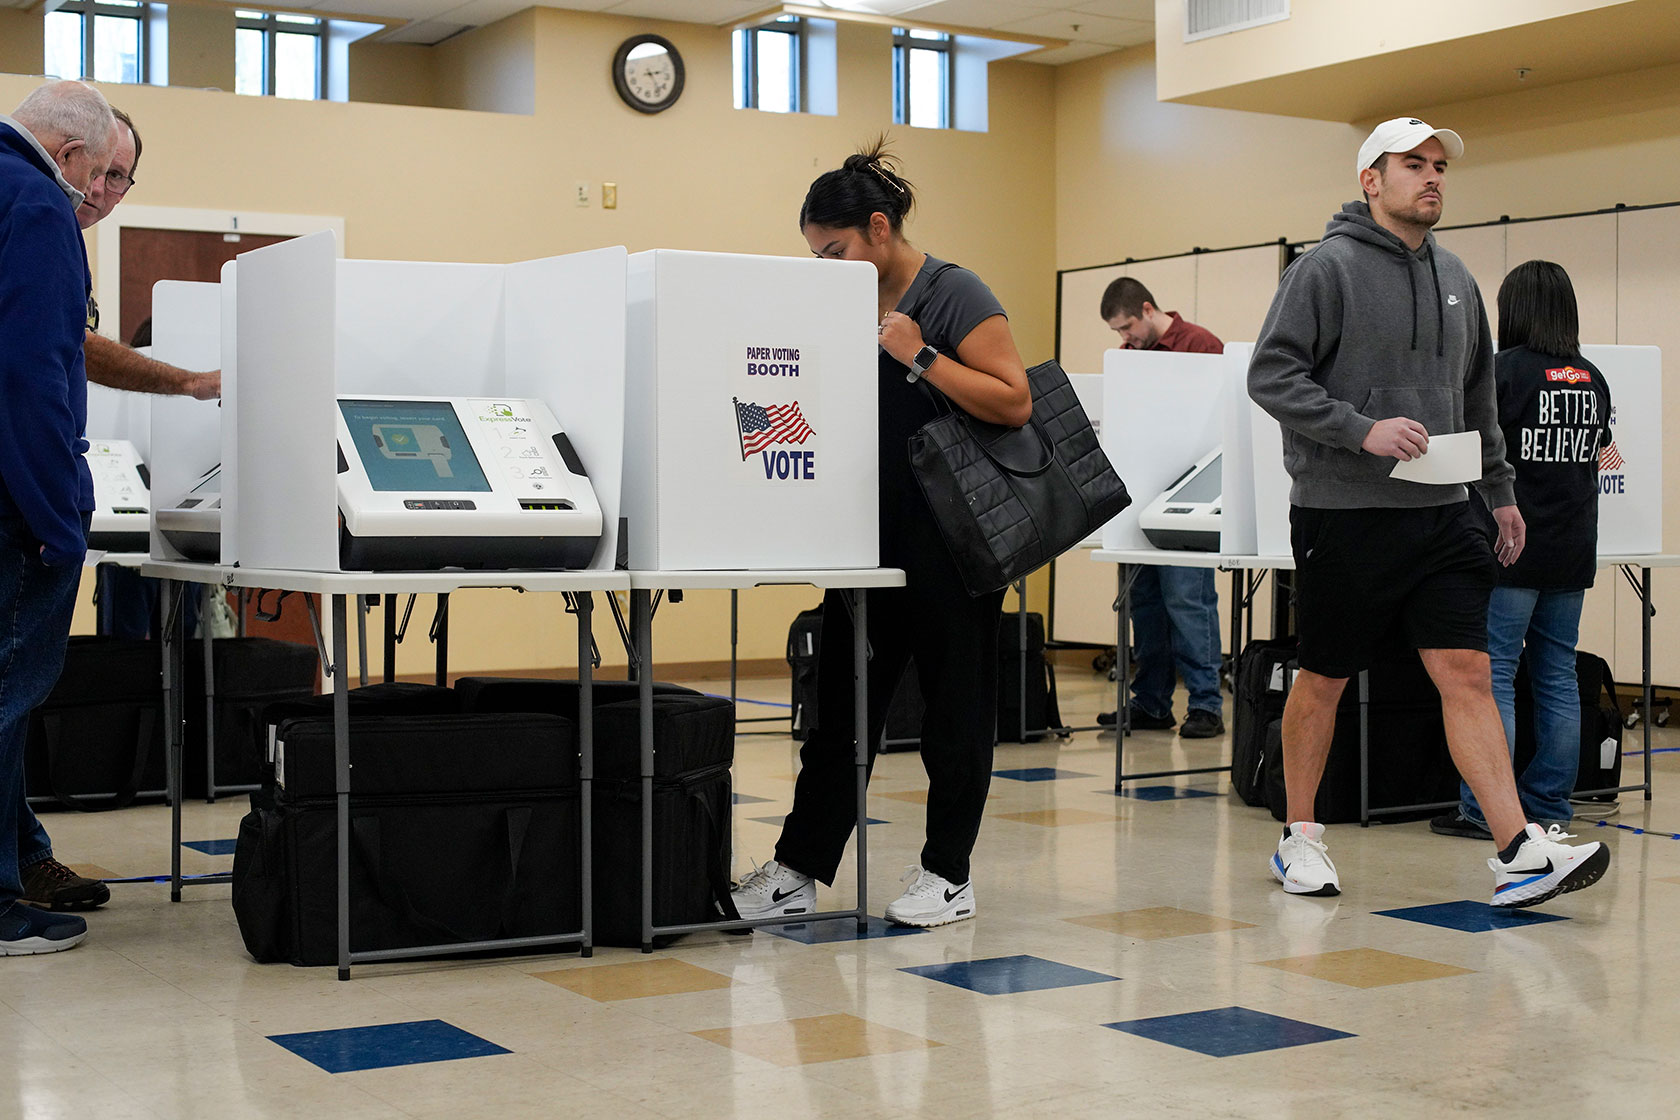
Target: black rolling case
x,y
97,741
1043,712
803,638
1257,702
694,747
251,673
1601,725
463,828
1409,760
387,698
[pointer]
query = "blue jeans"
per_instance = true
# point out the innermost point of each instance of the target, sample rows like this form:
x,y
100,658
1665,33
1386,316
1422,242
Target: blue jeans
x,y
1542,626
1175,622
128,604
36,603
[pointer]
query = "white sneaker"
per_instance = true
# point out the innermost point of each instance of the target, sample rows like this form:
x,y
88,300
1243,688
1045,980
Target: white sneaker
x,y
1302,864
772,891
1544,866
931,900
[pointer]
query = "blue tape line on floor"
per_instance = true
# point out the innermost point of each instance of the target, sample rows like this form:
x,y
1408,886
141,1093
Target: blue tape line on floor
x,y
1638,831
1654,750
163,878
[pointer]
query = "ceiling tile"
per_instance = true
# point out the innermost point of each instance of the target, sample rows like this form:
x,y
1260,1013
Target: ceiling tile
x,y
1073,52
1082,28
969,13
689,11
477,13
426,31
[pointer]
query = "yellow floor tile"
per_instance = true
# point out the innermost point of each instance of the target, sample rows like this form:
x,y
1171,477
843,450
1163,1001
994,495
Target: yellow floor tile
x,y
1056,818
1668,879
634,980
1366,968
821,1038
92,871
1157,922
916,796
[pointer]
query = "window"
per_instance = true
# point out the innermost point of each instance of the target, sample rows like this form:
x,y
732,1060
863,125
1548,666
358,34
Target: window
x,y
279,55
769,65
922,78
99,39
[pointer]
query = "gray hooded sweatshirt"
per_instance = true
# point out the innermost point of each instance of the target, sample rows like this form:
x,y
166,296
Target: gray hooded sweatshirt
x,y
1363,329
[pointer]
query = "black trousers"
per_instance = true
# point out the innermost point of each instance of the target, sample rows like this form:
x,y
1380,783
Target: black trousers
x,y
954,640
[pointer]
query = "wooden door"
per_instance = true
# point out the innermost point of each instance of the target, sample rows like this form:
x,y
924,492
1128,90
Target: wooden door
x,y
150,255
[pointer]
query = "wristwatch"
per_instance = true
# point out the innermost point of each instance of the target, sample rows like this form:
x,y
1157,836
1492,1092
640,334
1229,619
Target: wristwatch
x,y
925,357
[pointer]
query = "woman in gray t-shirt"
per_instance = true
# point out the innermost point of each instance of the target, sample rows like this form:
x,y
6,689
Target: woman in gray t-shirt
x,y
941,324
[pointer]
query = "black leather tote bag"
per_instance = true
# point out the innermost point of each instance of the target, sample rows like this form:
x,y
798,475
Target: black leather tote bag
x,y
1010,500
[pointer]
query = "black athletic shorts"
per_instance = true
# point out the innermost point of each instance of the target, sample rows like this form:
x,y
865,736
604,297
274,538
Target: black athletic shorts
x,y
1370,582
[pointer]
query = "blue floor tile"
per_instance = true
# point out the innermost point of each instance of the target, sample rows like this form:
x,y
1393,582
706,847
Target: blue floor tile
x,y
747,799
783,817
1227,1031
840,929
1003,975
389,1044
210,847
1163,793
1471,917
1039,774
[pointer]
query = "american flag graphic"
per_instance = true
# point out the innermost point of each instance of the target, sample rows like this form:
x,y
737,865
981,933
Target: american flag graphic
x,y
1609,459
761,425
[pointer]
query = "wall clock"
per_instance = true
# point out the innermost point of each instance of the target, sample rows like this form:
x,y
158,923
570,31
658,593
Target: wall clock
x,y
647,71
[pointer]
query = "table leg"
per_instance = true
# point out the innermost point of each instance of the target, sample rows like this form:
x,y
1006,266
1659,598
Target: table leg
x,y
390,638
1122,669
860,746
341,758
207,596
168,596
641,629
443,641
1645,612
585,601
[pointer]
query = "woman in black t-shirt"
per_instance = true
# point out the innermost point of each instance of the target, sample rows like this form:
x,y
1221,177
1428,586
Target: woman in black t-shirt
x,y
1555,410
940,323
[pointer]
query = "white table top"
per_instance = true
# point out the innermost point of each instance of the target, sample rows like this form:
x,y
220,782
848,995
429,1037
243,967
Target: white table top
x,y
741,579
383,583
1161,557
1168,558
116,559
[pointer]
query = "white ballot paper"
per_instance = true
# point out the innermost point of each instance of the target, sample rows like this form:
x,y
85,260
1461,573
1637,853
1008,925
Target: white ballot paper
x,y
1450,458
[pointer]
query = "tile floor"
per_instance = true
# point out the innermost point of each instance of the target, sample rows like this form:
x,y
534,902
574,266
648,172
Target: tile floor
x,y
1131,958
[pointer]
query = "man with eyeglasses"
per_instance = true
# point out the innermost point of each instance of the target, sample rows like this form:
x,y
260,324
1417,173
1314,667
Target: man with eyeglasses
x,y
111,363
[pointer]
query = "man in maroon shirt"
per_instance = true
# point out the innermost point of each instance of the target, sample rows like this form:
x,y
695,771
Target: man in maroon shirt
x,y
1128,307
1175,611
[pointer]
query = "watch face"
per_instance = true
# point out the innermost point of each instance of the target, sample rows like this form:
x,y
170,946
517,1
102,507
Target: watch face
x,y
648,73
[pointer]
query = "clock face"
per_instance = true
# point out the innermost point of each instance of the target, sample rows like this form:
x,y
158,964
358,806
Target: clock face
x,y
648,73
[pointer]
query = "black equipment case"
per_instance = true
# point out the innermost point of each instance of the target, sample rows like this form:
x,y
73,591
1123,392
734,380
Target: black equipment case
x,y
694,747
96,742
463,828
250,674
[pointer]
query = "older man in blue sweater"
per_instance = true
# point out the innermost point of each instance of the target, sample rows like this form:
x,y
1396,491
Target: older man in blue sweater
x,y
54,151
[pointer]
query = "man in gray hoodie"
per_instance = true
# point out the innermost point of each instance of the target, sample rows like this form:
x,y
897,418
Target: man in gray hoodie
x,y
1377,340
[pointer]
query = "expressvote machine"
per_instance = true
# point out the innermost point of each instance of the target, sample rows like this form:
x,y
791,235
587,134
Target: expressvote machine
x,y
1186,515
460,482
122,510
194,524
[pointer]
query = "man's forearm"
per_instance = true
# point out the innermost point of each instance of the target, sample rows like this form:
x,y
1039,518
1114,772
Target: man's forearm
x,y
118,367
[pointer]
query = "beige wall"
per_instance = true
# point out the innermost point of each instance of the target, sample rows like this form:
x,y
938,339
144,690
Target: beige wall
x,y
201,46
1320,33
22,45
393,73
456,185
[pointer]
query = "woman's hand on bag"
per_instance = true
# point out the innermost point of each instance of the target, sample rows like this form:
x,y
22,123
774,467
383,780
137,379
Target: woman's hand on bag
x,y
900,336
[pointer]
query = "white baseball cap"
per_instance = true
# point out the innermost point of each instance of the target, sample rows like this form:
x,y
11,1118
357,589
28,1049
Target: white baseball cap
x,y
1402,134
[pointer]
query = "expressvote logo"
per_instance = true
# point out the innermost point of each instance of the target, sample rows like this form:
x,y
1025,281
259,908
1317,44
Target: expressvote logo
x,y
761,427
1568,374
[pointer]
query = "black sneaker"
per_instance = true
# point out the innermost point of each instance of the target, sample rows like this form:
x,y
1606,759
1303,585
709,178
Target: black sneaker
x,y
1201,724
25,930
54,886
1455,823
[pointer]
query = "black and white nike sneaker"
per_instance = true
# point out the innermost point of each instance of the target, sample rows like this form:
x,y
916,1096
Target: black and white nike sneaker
x,y
773,891
1545,866
931,900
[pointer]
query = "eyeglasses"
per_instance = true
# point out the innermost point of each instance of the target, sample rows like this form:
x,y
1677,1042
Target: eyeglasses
x,y
118,183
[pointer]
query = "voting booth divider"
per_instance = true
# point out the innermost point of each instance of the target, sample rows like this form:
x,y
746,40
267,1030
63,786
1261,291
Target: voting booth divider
x,y
751,442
